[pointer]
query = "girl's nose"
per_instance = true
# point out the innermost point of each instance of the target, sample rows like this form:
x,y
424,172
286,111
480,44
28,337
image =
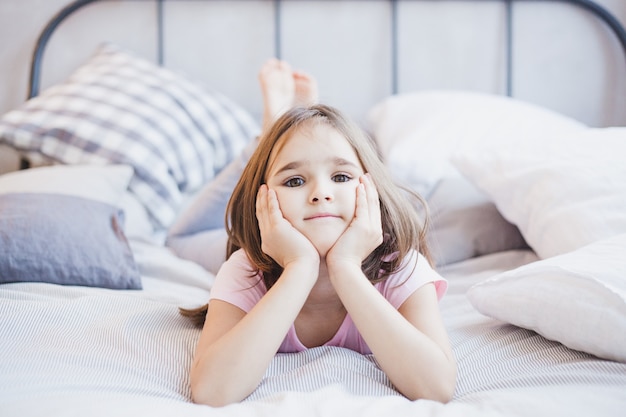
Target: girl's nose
x,y
327,198
321,192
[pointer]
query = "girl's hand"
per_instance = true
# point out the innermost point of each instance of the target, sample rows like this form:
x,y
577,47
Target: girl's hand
x,y
279,239
365,232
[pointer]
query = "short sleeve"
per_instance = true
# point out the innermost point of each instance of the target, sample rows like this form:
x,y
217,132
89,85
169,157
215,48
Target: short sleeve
x,y
415,272
237,283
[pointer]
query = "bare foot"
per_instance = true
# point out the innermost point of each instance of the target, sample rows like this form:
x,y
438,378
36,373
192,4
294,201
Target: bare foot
x,y
306,92
283,89
278,88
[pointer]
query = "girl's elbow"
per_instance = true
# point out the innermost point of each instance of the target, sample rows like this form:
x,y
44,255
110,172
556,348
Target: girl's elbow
x,y
207,390
447,385
201,394
210,400
218,390
440,389
442,392
445,391
212,395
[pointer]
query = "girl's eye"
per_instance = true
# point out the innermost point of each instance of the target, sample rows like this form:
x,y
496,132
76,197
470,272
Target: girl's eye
x,y
341,178
294,182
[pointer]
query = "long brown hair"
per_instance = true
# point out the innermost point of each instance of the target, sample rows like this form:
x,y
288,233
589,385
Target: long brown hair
x,y
404,229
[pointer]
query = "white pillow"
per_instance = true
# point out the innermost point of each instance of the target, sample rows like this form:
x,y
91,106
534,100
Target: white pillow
x,y
577,299
418,132
138,224
104,183
562,191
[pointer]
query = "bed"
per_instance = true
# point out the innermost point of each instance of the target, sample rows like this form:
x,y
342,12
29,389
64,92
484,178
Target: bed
x,y
527,205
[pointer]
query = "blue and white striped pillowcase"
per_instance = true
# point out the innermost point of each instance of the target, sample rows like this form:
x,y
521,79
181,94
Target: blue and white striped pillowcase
x,y
119,108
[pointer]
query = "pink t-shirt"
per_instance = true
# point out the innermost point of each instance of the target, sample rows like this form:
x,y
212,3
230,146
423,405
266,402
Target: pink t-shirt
x,y
236,284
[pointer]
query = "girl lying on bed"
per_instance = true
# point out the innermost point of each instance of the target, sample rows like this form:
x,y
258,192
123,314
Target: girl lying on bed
x,y
313,222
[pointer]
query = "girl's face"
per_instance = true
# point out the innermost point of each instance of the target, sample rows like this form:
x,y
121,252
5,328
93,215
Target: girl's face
x,y
315,175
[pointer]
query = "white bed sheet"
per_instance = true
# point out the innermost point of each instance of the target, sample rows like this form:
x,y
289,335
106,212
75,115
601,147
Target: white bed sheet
x,y
86,351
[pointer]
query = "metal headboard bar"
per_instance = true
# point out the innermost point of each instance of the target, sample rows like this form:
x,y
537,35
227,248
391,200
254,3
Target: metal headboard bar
x,y
394,47
37,57
604,15
42,41
278,50
509,47
160,32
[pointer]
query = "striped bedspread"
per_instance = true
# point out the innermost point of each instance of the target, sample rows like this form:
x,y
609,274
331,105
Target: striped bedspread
x,y
68,348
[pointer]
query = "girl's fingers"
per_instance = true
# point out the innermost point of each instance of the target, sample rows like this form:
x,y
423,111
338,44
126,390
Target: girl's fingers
x,y
373,206
372,200
273,207
361,210
259,196
261,204
268,209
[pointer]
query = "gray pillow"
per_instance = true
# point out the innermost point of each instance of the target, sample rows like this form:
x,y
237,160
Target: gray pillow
x,y
465,223
65,240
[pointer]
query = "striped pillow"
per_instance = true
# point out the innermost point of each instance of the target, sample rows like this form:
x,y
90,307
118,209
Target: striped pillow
x,y
120,108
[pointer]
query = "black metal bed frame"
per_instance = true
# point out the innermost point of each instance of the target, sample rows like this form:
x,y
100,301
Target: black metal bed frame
x,y
35,70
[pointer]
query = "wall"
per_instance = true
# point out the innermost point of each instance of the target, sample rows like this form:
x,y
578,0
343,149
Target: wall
x,y
443,45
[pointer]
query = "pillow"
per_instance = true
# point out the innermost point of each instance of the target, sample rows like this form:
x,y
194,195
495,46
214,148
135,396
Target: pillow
x,y
563,191
578,299
199,233
465,223
137,225
62,239
119,108
418,132
105,183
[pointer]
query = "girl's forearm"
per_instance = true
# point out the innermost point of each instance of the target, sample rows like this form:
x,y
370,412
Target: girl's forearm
x,y
416,365
230,368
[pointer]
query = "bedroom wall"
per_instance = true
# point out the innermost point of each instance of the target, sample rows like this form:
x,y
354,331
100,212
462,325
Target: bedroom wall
x,y
443,45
